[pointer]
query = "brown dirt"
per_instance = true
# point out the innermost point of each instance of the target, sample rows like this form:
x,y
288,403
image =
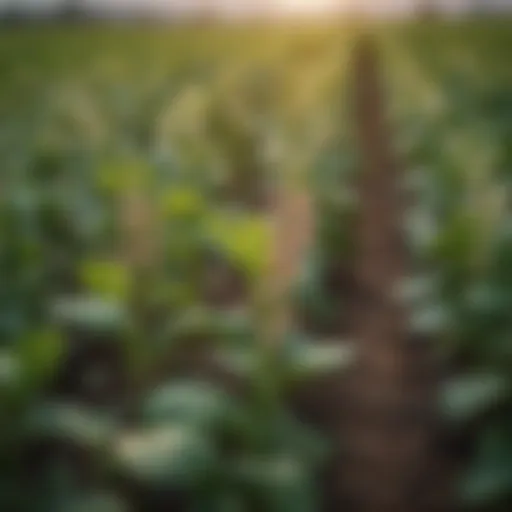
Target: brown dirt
x,y
386,426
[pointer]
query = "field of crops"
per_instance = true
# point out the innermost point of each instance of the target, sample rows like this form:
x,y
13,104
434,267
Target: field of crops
x,y
453,109
178,238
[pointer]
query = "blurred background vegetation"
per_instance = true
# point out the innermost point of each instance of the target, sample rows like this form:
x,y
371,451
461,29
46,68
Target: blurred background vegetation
x,y
140,167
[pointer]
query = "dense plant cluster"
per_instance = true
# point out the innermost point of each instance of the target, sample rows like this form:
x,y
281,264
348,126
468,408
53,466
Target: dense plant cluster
x,y
136,230
453,112
139,177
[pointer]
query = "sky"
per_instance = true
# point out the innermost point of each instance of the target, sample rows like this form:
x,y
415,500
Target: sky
x,y
305,6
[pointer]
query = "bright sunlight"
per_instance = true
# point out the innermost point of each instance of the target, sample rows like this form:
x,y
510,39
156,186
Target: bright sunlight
x,y
309,6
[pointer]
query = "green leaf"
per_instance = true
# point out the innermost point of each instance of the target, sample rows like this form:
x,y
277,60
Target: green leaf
x,y
421,228
311,296
416,290
108,279
195,321
245,240
466,397
430,319
177,455
90,313
303,359
270,470
79,425
489,479
239,361
188,402
456,242
10,369
298,361
281,483
234,327
182,202
486,298
122,175
40,354
294,437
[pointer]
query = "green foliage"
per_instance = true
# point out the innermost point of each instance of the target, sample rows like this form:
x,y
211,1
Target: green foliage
x,y
196,124
186,119
39,354
244,241
90,313
488,479
80,426
194,403
299,360
443,86
172,455
108,279
467,397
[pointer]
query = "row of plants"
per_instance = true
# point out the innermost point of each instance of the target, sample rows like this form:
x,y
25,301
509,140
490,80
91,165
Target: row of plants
x,y
137,371
453,115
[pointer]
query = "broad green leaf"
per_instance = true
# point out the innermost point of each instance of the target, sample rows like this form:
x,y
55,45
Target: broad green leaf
x,y
456,242
182,202
235,327
239,361
10,369
122,175
246,240
90,313
172,455
430,319
40,354
468,396
295,437
486,298
421,228
80,425
192,403
281,483
108,279
489,478
304,359
312,297
194,321
297,362
270,470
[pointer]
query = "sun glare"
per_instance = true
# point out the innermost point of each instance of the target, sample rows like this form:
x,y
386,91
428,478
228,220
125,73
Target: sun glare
x,y
307,6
